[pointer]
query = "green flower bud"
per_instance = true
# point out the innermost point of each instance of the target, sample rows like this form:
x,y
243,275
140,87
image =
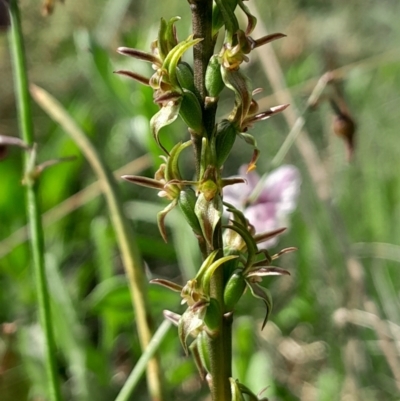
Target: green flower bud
x,y
187,202
213,79
234,290
225,138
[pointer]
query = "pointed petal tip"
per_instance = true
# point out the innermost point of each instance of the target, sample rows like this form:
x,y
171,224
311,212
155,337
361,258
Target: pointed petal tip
x,y
279,108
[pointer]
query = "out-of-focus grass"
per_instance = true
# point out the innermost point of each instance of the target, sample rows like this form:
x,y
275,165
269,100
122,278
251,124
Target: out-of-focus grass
x,y
324,342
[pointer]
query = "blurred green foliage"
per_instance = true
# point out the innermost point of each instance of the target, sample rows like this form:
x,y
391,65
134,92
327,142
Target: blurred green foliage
x,y
328,339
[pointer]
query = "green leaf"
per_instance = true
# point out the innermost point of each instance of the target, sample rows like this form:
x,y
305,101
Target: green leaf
x,y
240,85
208,213
191,323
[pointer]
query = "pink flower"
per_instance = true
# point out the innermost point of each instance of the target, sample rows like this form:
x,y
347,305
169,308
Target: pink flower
x,y
277,199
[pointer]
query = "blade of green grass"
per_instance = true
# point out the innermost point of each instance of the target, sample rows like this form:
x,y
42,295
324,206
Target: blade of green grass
x,y
31,185
140,366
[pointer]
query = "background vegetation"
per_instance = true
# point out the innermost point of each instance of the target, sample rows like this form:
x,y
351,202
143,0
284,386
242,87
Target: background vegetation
x,y
335,330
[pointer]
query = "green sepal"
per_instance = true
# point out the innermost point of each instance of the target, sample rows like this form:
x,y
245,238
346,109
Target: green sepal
x,y
191,323
235,390
232,265
227,10
234,289
166,39
248,138
245,390
174,56
170,33
240,85
161,219
213,78
261,293
237,214
224,140
249,241
161,43
172,166
191,112
209,214
251,19
207,269
211,269
212,317
165,116
187,202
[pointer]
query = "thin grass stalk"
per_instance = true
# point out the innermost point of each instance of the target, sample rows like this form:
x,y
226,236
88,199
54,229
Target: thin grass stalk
x,y
137,372
125,237
33,210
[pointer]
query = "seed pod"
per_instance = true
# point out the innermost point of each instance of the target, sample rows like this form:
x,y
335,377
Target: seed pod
x,y
187,202
191,112
234,290
213,79
225,138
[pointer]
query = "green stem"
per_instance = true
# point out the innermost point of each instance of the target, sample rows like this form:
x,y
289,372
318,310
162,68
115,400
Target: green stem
x,y
34,216
219,345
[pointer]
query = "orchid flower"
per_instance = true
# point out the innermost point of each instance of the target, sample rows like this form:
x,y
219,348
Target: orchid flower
x,y
277,199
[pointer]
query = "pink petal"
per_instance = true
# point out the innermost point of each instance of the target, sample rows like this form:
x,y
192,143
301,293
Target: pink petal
x,y
282,186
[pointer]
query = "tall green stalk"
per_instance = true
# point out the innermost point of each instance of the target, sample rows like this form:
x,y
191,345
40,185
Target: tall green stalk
x,y
33,210
220,345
